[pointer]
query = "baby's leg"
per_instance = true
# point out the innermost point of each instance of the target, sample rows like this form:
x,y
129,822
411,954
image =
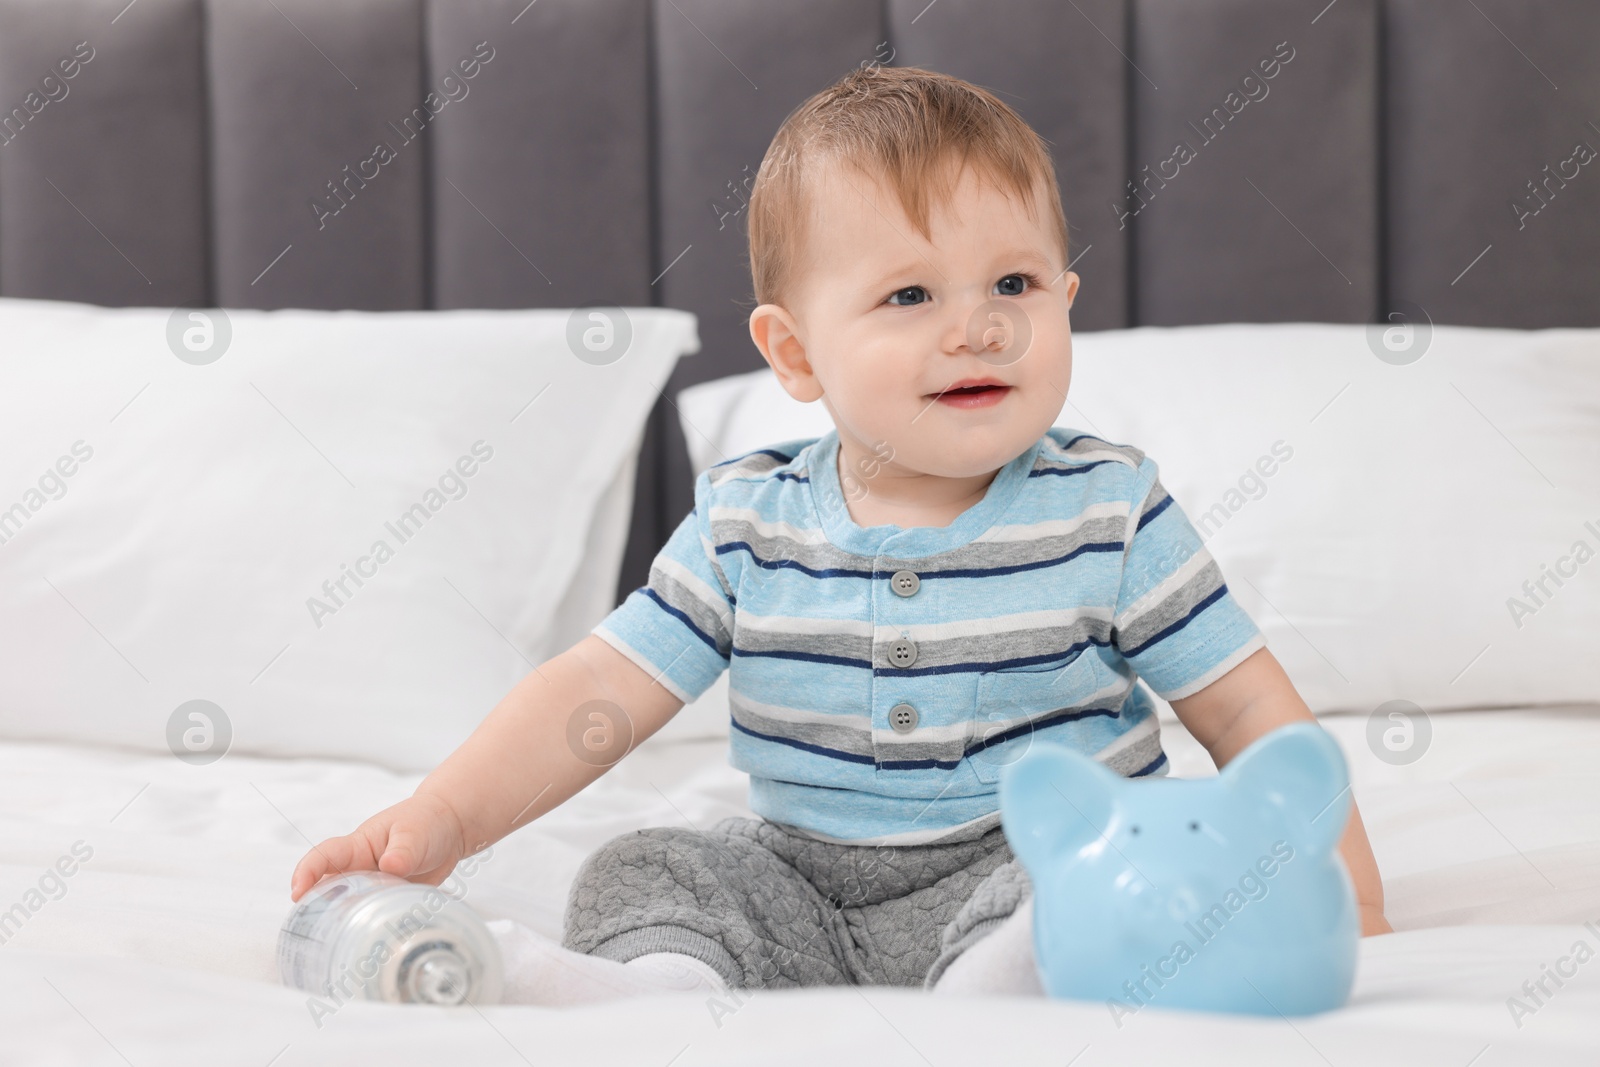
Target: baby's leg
x,y
1000,963
988,947
719,896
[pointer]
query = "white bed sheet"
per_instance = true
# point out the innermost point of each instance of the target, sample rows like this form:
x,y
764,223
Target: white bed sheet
x,y
161,948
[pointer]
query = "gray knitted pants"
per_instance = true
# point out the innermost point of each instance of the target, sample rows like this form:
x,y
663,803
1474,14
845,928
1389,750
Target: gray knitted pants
x,y
770,908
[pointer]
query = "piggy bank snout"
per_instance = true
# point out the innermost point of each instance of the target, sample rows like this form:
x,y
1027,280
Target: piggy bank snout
x,y
1182,900
1183,903
1140,901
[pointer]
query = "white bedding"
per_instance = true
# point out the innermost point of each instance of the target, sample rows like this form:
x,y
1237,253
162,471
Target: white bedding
x,y
161,947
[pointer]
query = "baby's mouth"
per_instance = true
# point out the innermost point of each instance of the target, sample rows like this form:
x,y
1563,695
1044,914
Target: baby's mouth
x,y
971,396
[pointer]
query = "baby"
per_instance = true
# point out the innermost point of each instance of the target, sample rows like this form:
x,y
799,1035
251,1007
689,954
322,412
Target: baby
x,y
904,604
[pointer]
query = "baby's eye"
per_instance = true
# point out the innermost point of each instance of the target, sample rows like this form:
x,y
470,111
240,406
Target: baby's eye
x,y
1007,286
919,295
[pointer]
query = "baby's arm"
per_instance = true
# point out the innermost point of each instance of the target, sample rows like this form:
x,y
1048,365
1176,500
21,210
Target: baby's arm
x,y
515,766
1253,699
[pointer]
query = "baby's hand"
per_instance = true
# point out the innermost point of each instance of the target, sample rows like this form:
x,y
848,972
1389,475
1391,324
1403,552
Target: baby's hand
x,y
419,838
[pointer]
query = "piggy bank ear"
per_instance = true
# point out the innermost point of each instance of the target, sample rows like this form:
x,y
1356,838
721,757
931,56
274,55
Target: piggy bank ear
x,y
1054,799
1302,769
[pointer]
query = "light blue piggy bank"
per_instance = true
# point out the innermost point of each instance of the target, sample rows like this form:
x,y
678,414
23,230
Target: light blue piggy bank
x,y
1218,894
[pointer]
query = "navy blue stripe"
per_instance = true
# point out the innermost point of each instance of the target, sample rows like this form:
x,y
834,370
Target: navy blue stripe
x,y
918,764
1045,657
790,476
979,572
957,572
1152,513
774,453
1220,592
891,673
778,564
681,617
811,785
1151,767
804,657
908,764
1044,722
849,757
1079,469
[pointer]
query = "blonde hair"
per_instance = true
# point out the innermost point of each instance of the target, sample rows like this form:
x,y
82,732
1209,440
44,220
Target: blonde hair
x,y
907,126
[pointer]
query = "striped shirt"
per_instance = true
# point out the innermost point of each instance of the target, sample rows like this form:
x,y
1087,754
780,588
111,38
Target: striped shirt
x,y
882,676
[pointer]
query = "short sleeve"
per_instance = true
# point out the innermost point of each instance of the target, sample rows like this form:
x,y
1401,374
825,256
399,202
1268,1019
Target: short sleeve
x,y
1175,621
679,625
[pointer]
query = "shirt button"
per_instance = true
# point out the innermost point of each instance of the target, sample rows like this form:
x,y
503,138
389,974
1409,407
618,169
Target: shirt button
x,y
903,717
902,653
905,583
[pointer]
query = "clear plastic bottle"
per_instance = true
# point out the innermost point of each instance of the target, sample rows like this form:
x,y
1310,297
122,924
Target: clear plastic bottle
x,y
376,936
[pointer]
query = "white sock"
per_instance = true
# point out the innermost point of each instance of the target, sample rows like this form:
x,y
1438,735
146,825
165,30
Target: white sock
x,y
1001,964
539,970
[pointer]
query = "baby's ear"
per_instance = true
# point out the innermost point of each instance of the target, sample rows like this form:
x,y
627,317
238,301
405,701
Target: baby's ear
x,y
1300,767
1054,799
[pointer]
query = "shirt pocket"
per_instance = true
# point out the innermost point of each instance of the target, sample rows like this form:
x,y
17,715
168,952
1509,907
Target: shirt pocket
x,y
1015,702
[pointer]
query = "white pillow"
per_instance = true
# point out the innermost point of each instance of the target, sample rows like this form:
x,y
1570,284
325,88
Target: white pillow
x,y
1381,556
184,556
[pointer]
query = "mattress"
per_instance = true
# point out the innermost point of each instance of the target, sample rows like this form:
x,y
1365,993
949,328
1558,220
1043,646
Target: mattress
x,y
158,947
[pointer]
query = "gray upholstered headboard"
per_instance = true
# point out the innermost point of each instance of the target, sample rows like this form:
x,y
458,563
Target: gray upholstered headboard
x,y
1435,152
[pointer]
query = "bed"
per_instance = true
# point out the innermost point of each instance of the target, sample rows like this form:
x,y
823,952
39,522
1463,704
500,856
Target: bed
x,y
1339,273
162,948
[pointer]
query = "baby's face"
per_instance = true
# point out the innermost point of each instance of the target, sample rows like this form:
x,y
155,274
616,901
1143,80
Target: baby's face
x,y
887,328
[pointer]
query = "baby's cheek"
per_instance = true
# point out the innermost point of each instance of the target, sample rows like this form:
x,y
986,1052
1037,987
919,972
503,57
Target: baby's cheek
x,y
881,404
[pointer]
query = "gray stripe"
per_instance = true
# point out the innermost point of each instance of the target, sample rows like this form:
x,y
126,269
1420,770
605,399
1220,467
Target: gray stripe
x,y
844,737
1115,702
777,549
1081,452
748,466
1136,756
855,648
838,736
1050,647
984,650
1174,606
1157,494
704,617
771,551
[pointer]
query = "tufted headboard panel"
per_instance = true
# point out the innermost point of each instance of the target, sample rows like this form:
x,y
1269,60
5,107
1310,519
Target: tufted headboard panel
x,y
1433,153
